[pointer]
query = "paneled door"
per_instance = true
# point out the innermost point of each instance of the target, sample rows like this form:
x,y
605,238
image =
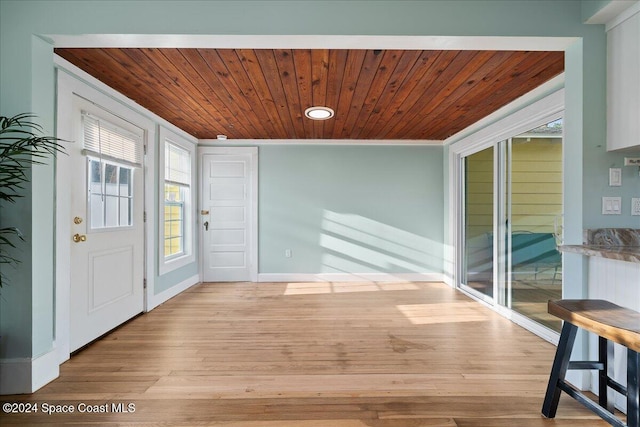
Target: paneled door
x,y
107,249
228,214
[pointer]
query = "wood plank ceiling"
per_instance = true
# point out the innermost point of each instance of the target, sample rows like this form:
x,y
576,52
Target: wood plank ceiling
x,y
263,93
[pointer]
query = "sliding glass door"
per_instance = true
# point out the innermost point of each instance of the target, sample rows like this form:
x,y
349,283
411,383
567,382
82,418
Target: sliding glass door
x,y
512,222
478,207
534,206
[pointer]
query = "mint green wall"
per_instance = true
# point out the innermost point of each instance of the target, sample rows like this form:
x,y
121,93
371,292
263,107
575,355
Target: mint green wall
x,y
24,70
172,278
601,161
349,209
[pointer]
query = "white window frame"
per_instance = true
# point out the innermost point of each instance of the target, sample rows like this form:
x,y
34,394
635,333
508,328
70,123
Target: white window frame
x,y
90,228
166,265
124,128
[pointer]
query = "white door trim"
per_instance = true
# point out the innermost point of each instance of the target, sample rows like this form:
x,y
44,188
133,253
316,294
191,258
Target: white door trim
x,y
253,224
68,86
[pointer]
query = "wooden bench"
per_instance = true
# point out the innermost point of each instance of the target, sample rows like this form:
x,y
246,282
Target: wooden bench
x,y
612,324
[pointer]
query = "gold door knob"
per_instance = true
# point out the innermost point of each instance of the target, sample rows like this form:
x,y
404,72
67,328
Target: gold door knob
x,y
79,238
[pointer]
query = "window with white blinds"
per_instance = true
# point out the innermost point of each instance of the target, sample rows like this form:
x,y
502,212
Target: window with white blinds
x,y
177,165
177,196
106,140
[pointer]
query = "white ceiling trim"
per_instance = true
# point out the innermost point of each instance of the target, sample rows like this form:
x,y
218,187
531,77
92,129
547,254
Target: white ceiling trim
x,y
610,11
311,42
623,16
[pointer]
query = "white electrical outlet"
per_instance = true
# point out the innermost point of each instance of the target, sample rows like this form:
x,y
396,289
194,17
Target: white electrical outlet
x,y
635,206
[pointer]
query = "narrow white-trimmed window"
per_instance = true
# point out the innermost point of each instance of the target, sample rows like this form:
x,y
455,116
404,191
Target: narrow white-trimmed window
x,y
177,188
177,207
112,155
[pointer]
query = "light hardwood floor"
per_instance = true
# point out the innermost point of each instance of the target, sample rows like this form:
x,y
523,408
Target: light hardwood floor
x,y
312,355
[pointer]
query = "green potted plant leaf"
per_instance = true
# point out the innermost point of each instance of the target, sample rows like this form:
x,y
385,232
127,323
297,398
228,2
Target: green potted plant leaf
x,y
21,146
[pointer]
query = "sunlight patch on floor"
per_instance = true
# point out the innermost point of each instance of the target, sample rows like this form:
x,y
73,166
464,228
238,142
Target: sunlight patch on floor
x,y
443,312
309,288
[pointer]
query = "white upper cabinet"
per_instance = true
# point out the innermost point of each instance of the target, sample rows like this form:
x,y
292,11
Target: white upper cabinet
x,y
623,82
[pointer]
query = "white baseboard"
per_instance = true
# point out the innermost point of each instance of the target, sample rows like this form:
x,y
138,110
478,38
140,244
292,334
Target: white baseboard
x,y
351,277
25,375
448,280
45,369
156,300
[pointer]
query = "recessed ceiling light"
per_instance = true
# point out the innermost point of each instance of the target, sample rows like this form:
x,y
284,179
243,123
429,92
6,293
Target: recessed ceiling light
x,y
318,113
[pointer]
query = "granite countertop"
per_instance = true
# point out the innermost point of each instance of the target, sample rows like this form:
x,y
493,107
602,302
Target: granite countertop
x,y
614,243
622,253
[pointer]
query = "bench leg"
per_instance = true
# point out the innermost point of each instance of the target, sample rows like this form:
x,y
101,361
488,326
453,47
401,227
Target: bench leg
x,y
605,355
633,385
559,369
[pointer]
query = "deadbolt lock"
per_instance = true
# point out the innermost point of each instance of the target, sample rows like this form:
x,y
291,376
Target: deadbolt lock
x,y
203,212
77,220
79,238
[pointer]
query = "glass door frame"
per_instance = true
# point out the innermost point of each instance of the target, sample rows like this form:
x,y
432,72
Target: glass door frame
x,y
501,244
498,135
496,215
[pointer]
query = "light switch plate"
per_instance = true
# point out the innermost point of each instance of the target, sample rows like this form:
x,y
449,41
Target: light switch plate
x,y
615,177
611,205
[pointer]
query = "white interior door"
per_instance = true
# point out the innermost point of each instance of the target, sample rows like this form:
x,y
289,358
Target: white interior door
x,y
228,214
107,230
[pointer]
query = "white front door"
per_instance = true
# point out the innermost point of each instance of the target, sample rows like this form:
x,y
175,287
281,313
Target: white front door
x,y
107,230
228,200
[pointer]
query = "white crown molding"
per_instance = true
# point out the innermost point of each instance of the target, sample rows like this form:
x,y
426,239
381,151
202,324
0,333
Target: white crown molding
x,y
622,15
